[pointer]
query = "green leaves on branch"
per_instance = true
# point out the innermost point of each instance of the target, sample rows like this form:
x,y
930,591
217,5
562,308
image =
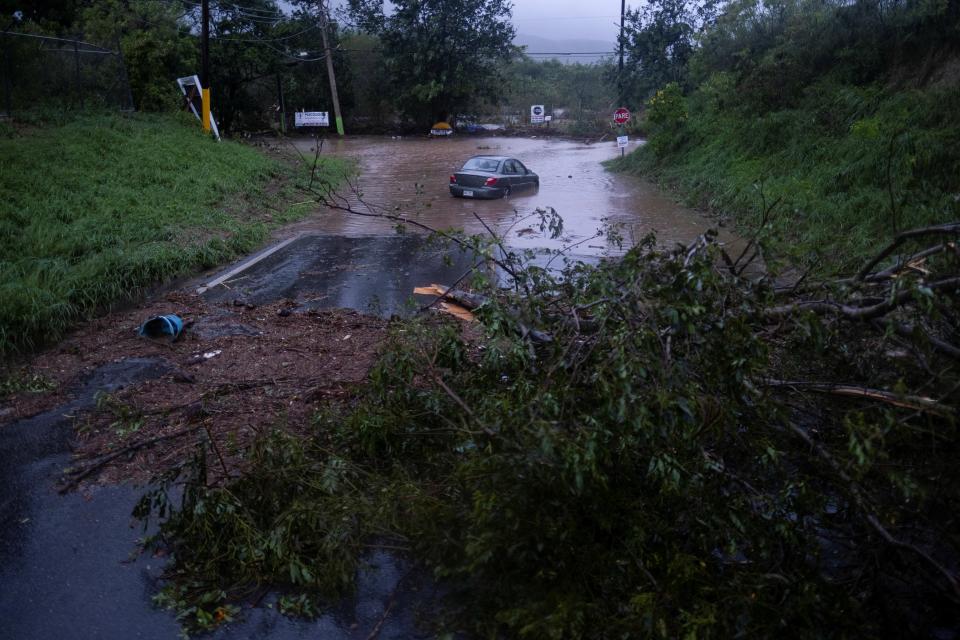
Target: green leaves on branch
x,y
643,473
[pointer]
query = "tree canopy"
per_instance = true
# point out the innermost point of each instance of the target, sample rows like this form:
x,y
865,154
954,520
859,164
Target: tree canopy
x,y
440,54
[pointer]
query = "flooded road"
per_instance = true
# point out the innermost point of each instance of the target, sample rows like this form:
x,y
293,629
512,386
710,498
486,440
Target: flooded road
x,y
411,176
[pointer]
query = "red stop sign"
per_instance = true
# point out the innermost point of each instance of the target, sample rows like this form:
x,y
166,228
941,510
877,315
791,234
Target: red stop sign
x,y
621,116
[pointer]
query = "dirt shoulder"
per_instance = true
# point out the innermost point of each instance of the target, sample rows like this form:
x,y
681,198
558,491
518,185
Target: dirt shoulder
x,y
236,371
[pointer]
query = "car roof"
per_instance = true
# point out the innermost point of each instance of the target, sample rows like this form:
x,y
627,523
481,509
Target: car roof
x,y
491,157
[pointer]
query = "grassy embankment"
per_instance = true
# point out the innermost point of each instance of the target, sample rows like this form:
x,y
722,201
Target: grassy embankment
x,y
98,208
850,165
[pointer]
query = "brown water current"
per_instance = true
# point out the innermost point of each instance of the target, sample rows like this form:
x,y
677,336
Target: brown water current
x,y
410,176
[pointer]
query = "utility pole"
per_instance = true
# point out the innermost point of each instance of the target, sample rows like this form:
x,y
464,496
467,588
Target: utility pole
x,y
623,10
282,106
205,63
324,16
7,70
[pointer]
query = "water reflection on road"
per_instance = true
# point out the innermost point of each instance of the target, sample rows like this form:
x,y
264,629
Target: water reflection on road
x,y
410,176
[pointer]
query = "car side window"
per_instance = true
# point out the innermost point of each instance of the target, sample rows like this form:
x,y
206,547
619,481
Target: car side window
x,y
522,170
510,167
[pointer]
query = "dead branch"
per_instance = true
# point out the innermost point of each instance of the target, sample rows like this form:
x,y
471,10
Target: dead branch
x,y
917,403
824,307
764,218
451,288
910,331
938,230
82,474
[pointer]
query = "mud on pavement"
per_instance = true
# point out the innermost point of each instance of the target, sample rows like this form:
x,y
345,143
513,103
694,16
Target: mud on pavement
x,y
236,371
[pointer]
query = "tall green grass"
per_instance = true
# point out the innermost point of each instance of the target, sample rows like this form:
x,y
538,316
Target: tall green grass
x,y
96,209
850,165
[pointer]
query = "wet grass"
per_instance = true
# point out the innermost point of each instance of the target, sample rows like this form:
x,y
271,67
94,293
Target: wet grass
x,y
98,208
848,167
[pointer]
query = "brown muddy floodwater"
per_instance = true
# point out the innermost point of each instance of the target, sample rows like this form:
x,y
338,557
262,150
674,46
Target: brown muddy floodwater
x,y
411,176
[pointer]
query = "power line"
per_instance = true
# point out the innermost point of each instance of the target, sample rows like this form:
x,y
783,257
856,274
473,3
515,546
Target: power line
x,y
541,19
568,53
79,42
262,40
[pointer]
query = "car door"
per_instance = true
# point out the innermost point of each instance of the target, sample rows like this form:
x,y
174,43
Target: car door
x,y
526,177
513,174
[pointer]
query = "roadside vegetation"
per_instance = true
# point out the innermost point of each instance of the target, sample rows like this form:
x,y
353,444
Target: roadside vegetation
x,y
98,208
839,113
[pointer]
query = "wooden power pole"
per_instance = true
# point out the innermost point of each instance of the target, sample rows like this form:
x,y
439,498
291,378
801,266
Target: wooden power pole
x,y
623,10
326,54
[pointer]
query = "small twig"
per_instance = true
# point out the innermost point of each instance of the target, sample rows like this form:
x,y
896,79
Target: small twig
x,y
216,450
316,161
102,462
453,396
569,247
391,601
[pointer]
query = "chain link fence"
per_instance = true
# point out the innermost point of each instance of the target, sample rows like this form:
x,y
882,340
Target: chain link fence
x,y
60,73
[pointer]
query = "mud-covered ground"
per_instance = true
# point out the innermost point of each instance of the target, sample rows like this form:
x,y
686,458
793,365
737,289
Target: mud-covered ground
x,y
236,370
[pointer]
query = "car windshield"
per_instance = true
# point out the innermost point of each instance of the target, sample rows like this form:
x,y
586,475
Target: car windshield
x,y
481,164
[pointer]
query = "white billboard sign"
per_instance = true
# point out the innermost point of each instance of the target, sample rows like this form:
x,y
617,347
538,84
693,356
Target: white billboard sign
x,y
537,113
311,119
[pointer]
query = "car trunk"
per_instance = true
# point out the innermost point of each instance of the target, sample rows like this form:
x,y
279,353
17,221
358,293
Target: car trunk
x,y
470,179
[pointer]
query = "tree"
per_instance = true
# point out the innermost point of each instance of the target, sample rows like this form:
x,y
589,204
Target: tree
x,y
582,89
659,41
156,43
440,54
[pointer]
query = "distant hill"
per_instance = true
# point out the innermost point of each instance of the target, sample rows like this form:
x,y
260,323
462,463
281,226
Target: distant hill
x,y
536,44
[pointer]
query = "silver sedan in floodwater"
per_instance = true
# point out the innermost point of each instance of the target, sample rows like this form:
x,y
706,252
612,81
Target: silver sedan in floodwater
x,y
492,177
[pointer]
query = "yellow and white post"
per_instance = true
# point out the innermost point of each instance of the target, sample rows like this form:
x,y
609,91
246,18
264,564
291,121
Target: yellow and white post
x,y
205,94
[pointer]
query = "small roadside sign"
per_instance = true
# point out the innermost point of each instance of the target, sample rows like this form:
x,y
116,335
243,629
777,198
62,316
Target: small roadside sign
x,y
621,116
622,141
311,119
537,114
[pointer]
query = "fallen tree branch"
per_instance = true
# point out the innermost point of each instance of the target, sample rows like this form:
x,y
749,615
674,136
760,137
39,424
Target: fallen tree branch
x,y
823,307
943,229
917,403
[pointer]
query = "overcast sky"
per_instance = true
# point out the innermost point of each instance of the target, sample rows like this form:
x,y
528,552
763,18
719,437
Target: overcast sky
x,y
568,19
560,19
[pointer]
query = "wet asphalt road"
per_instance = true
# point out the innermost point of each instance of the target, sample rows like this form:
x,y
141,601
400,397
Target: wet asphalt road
x,y
64,560
372,274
